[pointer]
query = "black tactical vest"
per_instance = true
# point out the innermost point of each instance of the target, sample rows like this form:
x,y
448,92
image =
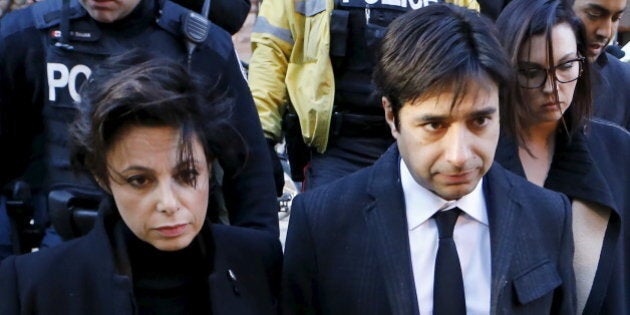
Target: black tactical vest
x,y
357,26
71,59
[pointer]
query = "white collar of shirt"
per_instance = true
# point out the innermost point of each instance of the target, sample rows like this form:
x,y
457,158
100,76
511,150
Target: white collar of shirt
x,y
421,203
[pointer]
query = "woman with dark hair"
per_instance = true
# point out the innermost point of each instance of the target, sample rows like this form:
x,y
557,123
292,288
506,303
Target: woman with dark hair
x,y
553,142
149,135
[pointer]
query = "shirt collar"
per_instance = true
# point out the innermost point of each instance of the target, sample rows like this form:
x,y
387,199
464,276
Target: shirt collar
x,y
421,203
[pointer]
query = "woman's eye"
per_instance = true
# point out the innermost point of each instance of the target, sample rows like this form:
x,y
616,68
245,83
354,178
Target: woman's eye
x,y
137,181
566,66
188,176
530,73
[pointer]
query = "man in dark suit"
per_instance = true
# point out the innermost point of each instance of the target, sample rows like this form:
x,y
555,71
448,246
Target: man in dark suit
x,y
378,241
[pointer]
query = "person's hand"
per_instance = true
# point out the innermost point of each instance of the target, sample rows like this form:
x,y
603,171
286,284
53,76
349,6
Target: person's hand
x,y
278,171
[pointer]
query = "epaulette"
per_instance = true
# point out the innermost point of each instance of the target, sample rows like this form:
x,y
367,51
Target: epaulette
x,y
48,13
218,39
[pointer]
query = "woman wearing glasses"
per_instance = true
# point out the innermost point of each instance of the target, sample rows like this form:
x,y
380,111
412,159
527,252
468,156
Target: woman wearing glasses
x,y
550,139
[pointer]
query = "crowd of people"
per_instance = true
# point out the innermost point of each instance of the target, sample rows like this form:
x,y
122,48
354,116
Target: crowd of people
x,y
454,157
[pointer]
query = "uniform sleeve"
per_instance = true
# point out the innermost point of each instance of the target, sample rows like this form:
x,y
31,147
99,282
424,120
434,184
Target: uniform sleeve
x,y
299,269
272,44
8,287
249,192
229,14
21,71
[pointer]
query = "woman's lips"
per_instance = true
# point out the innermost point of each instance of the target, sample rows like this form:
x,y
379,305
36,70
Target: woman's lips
x,y
172,230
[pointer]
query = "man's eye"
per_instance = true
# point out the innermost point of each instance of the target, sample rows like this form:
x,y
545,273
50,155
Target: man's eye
x,y
433,126
481,121
617,18
593,14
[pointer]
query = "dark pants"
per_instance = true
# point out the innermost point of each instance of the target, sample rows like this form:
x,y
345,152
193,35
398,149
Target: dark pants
x,y
344,155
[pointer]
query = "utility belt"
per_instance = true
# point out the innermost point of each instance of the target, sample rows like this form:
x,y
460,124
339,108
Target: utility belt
x,y
26,234
342,125
358,125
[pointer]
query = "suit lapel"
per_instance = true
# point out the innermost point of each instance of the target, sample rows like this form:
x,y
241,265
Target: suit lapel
x,y
502,210
387,229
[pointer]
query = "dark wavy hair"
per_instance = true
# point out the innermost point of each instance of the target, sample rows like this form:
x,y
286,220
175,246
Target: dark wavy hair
x,y
140,89
518,22
438,48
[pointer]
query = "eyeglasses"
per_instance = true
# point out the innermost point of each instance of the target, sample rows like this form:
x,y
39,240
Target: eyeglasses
x,y
534,77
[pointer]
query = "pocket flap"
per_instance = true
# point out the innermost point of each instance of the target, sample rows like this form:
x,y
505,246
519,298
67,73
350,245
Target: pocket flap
x,y
536,282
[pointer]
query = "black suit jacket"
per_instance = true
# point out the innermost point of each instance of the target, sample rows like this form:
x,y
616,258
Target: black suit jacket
x,y
347,248
83,276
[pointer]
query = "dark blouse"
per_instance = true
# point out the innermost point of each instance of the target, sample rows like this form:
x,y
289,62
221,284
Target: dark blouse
x,y
169,282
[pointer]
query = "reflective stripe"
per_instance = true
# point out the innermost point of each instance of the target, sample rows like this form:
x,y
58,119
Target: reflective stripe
x,y
263,26
310,7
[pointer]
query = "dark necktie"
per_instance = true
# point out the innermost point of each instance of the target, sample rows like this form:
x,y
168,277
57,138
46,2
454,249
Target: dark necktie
x,y
448,285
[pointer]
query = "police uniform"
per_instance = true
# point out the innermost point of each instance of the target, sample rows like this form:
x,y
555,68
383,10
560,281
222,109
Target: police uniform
x,y
317,56
47,51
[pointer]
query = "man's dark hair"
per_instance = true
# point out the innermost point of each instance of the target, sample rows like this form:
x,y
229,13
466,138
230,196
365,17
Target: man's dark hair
x,y
139,89
523,19
439,48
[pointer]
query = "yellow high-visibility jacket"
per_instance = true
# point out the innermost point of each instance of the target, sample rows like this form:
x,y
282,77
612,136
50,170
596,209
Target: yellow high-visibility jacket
x,y
291,63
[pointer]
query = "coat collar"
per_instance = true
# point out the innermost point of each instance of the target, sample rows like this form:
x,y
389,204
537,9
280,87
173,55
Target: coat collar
x,y
573,171
226,296
503,207
386,221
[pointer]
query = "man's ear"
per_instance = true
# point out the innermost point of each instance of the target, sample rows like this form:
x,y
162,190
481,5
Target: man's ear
x,y
389,116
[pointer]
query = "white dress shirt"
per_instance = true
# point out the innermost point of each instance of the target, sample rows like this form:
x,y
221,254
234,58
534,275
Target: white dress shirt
x,y
471,236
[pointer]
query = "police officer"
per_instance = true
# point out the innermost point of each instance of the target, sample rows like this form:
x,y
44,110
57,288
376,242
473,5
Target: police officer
x,y
49,49
311,68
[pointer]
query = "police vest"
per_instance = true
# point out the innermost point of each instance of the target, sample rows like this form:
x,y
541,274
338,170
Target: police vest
x,y
71,58
357,27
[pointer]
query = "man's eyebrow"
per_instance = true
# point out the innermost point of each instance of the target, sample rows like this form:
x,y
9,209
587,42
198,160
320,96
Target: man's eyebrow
x,y
483,112
594,6
477,113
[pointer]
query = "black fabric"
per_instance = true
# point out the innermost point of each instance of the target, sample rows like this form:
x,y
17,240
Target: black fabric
x,y
349,252
610,79
90,275
448,282
168,282
366,25
278,171
592,166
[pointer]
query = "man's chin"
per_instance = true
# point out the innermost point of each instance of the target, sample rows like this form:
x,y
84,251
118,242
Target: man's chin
x,y
454,192
593,55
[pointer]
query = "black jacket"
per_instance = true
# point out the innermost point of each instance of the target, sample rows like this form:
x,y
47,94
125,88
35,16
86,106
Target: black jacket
x,y
594,167
610,80
86,276
347,249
